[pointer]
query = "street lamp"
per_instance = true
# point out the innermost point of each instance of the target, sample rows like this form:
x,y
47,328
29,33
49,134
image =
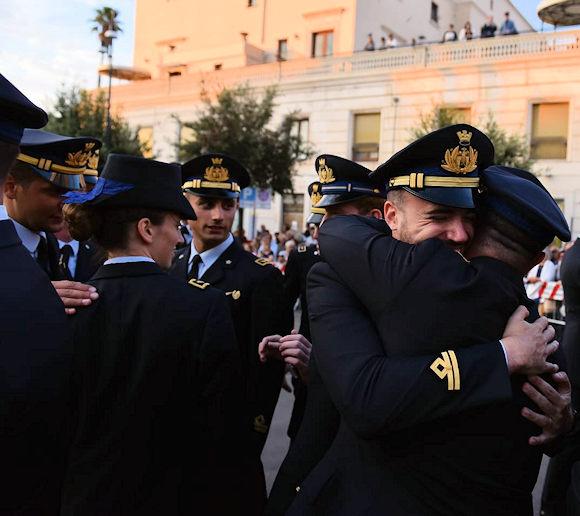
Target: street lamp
x,y
110,35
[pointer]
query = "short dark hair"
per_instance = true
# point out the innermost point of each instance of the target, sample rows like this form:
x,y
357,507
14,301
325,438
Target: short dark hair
x,y
23,175
497,232
108,226
363,205
8,154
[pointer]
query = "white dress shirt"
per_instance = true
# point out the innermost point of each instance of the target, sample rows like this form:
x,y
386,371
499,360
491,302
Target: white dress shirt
x,y
72,261
209,257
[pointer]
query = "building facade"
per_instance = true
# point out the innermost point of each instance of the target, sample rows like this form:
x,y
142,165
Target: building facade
x,y
364,105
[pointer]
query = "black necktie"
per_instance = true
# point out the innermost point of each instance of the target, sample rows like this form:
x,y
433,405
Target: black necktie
x,y
66,251
42,255
194,267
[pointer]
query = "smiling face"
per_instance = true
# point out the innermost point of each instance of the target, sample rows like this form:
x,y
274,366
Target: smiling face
x,y
215,218
34,202
166,236
414,220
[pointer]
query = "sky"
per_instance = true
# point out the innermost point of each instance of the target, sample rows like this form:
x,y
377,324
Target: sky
x,y
48,44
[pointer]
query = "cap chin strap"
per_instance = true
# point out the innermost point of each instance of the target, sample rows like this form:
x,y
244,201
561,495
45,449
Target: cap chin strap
x,y
418,180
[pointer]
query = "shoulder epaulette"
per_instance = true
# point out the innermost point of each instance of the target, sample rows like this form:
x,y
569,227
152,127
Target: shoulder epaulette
x,y
198,283
302,248
262,261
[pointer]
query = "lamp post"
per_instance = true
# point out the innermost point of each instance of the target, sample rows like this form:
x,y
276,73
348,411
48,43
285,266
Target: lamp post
x,y
110,35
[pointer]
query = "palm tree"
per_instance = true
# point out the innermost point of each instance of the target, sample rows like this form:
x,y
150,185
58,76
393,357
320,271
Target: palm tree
x,y
106,20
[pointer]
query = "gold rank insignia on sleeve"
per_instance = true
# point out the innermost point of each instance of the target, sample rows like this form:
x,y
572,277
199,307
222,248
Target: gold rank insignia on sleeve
x,y
262,261
446,366
260,424
198,283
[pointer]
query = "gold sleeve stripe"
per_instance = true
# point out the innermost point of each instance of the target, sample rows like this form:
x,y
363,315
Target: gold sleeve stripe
x,y
446,366
455,366
448,370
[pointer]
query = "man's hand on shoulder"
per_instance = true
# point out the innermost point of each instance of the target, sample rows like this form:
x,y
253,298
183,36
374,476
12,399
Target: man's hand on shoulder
x,y
74,294
555,417
528,345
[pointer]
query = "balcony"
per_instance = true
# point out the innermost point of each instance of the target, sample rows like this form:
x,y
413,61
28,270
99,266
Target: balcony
x,y
476,52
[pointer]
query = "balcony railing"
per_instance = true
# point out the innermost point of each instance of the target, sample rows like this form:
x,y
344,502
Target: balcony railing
x,y
481,51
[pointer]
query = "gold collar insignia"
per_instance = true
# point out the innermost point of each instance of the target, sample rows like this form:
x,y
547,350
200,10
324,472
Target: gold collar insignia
x,y
463,158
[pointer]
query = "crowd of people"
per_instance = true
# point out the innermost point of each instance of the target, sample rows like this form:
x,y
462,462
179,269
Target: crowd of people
x,y
488,30
425,380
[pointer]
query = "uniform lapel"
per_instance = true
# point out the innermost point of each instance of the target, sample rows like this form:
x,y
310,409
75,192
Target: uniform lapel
x,y
226,260
53,257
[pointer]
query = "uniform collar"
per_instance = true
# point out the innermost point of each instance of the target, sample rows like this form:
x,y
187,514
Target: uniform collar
x,y
8,235
29,238
127,269
210,256
74,244
127,259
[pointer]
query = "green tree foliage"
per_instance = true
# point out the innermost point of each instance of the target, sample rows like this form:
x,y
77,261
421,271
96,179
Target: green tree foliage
x,y
77,112
238,123
510,149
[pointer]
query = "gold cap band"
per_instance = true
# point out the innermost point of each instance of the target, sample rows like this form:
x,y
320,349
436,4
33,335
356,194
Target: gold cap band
x,y
46,164
318,211
419,180
198,183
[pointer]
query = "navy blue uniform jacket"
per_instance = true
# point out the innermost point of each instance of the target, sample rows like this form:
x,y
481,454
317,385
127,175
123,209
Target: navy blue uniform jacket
x,y
156,376
34,380
429,425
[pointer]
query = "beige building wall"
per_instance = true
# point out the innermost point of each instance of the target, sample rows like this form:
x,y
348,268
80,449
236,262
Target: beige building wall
x,y
178,37
198,35
502,76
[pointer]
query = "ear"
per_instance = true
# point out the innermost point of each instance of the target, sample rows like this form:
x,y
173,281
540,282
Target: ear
x,y
392,215
10,187
145,230
375,214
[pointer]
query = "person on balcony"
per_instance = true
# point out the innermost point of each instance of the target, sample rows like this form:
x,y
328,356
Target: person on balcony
x,y
370,46
508,27
449,34
466,33
488,29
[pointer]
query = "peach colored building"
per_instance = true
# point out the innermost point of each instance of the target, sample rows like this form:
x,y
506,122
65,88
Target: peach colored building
x,y
361,105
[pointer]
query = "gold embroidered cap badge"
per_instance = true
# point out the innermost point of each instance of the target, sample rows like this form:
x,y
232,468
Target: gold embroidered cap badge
x,y
217,172
463,158
325,173
79,158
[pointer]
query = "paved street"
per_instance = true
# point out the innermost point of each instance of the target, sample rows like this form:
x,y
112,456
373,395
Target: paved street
x,y
278,442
